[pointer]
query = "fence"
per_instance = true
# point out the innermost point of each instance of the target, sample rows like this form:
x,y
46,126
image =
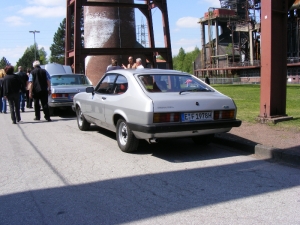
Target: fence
x,y
245,80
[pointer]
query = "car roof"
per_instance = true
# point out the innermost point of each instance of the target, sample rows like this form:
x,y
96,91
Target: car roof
x,y
148,71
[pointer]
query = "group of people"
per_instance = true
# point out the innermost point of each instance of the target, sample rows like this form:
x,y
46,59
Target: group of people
x,y
131,64
16,87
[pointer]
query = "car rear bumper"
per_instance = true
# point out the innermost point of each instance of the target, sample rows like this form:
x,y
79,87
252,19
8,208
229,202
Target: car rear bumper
x,y
60,104
182,129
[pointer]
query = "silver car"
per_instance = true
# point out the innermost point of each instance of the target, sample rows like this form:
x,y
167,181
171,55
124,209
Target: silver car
x,y
64,85
152,104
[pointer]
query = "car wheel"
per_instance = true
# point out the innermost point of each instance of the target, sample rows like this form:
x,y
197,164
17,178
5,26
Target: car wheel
x,y
82,123
126,140
203,139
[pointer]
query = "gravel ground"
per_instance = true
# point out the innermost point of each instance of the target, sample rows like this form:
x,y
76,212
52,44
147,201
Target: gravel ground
x,y
265,135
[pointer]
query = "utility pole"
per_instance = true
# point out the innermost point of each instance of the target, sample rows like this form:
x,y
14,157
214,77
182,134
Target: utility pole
x,y
34,31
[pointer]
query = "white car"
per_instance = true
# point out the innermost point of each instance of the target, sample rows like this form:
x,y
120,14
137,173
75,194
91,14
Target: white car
x,y
151,104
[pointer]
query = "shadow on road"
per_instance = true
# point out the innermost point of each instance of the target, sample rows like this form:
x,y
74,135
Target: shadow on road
x,y
129,199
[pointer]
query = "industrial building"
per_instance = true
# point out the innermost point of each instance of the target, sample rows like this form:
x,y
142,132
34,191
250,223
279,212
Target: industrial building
x,y
230,39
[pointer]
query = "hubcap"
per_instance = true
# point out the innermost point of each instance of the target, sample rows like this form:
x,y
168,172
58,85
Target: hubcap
x,y
123,135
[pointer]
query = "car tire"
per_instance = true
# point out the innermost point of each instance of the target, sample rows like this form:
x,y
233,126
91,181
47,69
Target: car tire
x,y
126,140
203,139
82,123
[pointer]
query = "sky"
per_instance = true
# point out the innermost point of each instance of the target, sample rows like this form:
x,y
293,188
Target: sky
x,y
18,17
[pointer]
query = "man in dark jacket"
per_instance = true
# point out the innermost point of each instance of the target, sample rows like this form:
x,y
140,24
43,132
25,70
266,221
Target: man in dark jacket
x,y
39,89
11,87
24,79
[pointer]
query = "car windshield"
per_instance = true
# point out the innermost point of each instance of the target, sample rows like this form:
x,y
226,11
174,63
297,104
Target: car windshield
x,y
69,79
172,83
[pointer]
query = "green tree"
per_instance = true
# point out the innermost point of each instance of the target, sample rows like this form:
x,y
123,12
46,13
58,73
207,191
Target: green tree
x,y
3,63
58,47
189,60
185,61
43,56
179,59
28,57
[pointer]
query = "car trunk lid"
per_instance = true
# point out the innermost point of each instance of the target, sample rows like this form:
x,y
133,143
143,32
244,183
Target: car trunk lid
x,y
190,101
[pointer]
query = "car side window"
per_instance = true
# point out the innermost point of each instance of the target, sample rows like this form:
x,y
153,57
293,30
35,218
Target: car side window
x,y
121,85
106,86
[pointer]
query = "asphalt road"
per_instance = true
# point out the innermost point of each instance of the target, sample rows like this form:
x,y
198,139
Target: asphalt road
x,y
53,173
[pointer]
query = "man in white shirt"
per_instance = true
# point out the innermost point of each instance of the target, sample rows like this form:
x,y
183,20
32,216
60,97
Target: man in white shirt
x,y
138,63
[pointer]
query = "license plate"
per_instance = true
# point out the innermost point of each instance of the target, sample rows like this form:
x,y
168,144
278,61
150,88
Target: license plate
x,y
196,116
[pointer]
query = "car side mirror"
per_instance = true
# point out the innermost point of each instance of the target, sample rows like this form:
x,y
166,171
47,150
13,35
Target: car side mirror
x,y
90,90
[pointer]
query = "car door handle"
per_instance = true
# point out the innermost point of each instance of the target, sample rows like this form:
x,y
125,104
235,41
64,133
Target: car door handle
x,y
104,98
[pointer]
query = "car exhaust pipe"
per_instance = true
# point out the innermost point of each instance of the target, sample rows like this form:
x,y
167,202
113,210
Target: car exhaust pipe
x,y
152,141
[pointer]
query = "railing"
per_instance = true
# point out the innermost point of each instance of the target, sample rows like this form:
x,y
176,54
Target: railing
x,y
224,80
292,60
246,80
255,63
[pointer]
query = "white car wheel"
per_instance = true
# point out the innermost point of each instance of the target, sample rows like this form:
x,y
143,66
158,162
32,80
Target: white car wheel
x,y
126,140
82,123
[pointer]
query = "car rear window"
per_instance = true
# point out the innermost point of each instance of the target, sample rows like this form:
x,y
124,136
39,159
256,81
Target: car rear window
x,y
69,80
172,83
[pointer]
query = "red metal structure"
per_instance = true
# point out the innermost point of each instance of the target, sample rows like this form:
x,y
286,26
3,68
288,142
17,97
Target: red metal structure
x,y
75,54
274,14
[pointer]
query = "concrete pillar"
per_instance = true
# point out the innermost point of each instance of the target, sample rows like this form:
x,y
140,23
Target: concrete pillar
x,y
273,59
202,27
107,27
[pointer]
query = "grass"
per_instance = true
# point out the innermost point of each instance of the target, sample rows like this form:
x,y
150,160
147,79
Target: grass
x,y
247,99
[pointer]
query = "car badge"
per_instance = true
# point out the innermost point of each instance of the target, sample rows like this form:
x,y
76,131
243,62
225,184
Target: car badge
x,y
197,103
225,106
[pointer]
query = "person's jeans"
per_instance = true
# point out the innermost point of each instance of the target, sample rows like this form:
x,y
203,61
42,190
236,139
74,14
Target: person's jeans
x,y
43,97
22,101
28,100
14,106
4,105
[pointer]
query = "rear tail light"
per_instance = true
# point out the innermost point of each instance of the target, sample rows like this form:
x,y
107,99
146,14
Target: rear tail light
x,y
224,114
57,95
166,117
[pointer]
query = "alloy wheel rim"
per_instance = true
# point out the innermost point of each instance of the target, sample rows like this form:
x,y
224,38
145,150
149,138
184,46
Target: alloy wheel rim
x,y
123,134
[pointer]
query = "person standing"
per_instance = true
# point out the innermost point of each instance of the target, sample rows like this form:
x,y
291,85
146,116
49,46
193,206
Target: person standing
x,y
131,64
114,66
39,89
2,74
28,100
24,79
138,63
207,80
11,87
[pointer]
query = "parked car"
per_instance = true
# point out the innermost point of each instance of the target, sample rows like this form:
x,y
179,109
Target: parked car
x,y
64,85
151,104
